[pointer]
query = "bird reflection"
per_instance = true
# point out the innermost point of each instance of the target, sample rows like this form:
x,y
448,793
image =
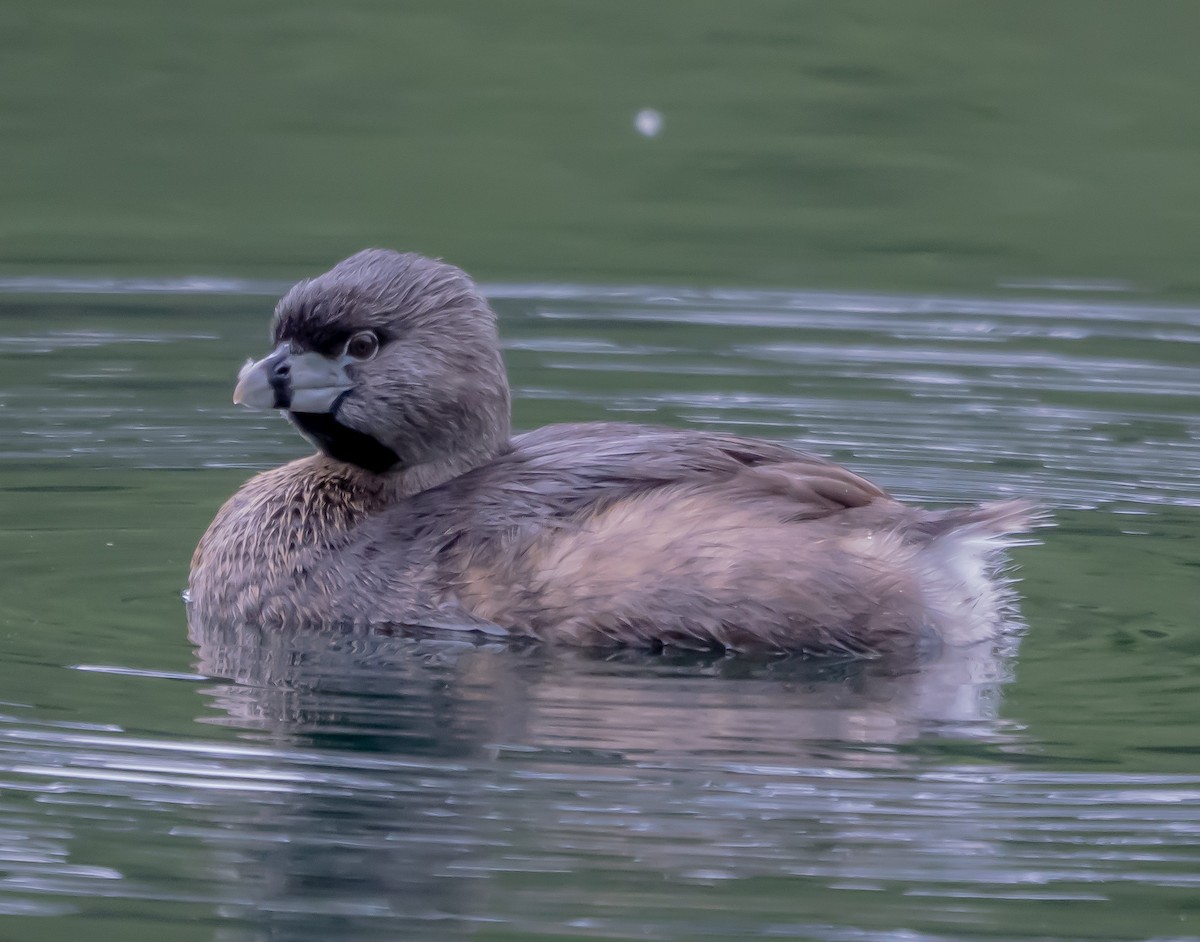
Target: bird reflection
x,y
439,725
450,696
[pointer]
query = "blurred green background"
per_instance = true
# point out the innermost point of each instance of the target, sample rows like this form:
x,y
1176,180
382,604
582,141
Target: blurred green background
x,y
916,145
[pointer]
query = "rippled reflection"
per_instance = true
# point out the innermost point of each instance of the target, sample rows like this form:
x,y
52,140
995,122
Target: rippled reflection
x,y
952,398
470,698
385,784
471,764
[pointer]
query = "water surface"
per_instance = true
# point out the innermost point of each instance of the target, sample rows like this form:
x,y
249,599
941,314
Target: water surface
x,y
353,786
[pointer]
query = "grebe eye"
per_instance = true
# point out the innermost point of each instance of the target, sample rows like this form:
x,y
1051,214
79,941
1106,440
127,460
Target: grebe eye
x,y
363,345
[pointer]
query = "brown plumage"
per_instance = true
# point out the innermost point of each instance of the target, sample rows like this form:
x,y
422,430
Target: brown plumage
x,y
421,509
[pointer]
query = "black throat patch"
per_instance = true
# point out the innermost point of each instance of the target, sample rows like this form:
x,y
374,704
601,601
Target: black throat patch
x,y
345,444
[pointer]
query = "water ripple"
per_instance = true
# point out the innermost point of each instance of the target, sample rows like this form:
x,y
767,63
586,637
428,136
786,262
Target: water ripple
x,y
1079,402
951,833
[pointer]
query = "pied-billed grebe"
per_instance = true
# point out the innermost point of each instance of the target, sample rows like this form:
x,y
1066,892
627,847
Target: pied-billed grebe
x,y
422,509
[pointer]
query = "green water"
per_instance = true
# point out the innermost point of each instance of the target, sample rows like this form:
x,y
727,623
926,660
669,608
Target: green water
x,y
951,245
